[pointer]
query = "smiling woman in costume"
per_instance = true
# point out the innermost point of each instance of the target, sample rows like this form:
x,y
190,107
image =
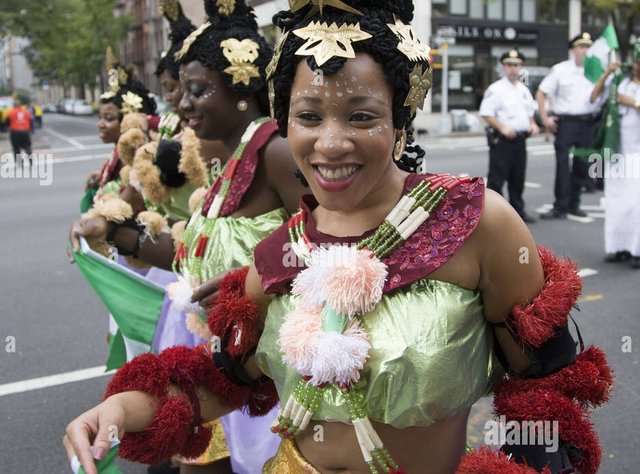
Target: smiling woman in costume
x,y
222,75
376,308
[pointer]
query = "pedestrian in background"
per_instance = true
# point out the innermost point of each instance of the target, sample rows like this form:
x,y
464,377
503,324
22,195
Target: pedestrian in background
x,y
508,107
20,127
622,189
574,123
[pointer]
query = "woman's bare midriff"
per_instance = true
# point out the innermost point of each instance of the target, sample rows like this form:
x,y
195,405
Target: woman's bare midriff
x,y
333,448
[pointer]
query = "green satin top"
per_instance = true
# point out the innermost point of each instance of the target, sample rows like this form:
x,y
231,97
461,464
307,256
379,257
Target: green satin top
x,y
178,206
231,243
431,356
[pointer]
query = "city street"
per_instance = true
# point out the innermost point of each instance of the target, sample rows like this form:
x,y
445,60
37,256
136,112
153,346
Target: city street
x,y
52,325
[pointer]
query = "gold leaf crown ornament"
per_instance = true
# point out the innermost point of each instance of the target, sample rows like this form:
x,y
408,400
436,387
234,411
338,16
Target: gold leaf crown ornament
x,y
271,70
410,45
325,42
241,55
189,40
318,6
420,82
170,9
131,103
226,7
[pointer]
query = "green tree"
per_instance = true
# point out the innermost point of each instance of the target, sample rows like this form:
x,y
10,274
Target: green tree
x,y
68,38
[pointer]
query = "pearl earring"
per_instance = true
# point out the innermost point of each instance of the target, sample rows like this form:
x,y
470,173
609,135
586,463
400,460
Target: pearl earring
x,y
242,105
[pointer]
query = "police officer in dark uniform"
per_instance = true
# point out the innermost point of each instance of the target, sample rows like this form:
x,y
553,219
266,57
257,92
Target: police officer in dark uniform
x,y
573,122
508,107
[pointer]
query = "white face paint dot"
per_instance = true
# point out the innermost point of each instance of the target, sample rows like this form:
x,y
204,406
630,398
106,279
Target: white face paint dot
x,y
327,94
370,133
349,91
339,94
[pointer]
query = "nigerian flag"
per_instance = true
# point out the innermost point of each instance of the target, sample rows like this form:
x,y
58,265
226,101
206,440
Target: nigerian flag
x,y
133,301
597,59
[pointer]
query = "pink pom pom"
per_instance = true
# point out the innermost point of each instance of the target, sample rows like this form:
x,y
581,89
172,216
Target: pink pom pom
x,y
195,326
297,333
355,285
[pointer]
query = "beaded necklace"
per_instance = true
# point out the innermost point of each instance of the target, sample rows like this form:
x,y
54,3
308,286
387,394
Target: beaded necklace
x,y
168,125
323,339
211,207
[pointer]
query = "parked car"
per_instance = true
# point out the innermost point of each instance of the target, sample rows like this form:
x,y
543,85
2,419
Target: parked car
x,y
81,107
49,108
64,106
6,103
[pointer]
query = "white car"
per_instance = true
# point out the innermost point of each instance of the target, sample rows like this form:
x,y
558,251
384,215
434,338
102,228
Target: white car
x,y
81,107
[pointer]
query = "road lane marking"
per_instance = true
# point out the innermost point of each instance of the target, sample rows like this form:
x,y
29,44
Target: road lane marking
x,y
53,380
590,298
76,159
96,146
59,135
528,184
587,272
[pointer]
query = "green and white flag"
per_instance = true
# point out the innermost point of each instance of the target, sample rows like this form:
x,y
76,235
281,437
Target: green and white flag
x,y
597,59
133,301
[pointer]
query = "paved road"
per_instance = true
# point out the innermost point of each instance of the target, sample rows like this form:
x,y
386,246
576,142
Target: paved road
x,y
59,327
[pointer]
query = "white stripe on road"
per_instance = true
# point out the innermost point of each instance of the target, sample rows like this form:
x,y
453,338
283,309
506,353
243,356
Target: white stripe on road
x,y
75,159
587,272
528,184
59,135
96,146
53,380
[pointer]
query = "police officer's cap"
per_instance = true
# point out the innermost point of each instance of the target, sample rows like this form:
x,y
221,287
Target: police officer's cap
x,y
581,39
513,56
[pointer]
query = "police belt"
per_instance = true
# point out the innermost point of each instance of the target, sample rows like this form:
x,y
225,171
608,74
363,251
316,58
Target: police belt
x,y
588,118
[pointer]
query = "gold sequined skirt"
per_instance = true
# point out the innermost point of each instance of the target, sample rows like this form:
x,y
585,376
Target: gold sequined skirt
x,y
217,449
288,460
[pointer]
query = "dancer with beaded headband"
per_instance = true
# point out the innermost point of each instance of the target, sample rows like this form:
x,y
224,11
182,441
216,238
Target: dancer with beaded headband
x,y
222,74
375,309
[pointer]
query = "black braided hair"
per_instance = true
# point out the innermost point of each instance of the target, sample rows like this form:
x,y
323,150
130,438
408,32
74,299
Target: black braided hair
x,y
180,29
382,46
168,161
241,24
135,86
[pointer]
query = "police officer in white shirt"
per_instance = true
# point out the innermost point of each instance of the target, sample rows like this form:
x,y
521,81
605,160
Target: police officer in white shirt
x,y
508,107
573,122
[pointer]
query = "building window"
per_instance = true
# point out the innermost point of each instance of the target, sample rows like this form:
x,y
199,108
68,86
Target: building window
x,y
476,9
512,10
494,9
458,7
529,11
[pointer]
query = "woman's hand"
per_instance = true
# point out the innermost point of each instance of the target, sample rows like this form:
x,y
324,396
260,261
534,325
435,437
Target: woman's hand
x,y
94,228
100,426
207,293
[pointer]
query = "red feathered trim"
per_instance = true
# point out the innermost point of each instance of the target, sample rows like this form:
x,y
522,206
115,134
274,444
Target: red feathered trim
x,y
231,395
487,461
536,322
263,399
588,380
235,314
144,373
172,429
548,405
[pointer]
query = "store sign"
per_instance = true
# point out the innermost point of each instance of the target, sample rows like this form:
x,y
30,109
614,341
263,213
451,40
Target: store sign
x,y
491,33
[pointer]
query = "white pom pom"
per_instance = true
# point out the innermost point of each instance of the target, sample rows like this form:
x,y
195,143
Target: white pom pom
x,y
180,293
